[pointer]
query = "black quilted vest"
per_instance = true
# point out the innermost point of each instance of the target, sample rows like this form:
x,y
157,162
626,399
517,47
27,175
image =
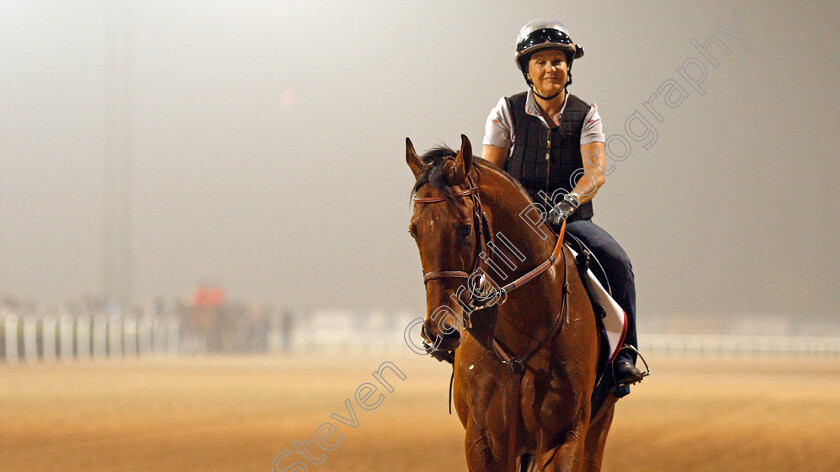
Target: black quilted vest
x,y
527,161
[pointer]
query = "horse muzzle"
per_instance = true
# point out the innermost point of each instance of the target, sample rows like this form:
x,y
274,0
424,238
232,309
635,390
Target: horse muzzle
x,y
446,338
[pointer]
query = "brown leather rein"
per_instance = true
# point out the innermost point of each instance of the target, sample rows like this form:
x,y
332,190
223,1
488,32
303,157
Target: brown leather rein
x,y
483,233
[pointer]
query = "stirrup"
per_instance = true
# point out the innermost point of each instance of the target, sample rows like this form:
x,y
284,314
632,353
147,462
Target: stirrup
x,y
645,373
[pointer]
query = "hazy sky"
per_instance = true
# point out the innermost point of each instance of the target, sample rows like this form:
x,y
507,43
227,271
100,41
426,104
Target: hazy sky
x,y
265,143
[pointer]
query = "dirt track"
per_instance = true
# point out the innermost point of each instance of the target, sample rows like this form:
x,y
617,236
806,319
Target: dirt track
x,y
239,413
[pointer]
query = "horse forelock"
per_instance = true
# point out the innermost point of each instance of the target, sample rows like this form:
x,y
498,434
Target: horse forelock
x,y
435,160
434,174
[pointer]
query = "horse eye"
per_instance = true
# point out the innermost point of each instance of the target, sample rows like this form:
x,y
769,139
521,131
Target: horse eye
x,y
465,230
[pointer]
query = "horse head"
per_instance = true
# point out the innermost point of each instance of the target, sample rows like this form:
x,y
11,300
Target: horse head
x,y
446,225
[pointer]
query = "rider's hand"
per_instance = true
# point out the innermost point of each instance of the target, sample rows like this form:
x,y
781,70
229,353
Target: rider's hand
x,y
564,209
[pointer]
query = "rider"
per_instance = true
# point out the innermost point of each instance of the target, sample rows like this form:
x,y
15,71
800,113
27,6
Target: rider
x,y
525,129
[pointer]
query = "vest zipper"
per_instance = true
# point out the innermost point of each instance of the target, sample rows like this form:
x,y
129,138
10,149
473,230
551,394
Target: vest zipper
x,y
548,162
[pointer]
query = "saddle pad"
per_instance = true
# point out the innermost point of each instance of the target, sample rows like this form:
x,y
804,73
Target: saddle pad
x,y
615,321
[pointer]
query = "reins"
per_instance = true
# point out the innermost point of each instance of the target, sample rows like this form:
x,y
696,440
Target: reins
x,y
483,226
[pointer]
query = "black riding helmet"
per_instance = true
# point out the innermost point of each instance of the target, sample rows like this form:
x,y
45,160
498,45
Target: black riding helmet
x,y
545,34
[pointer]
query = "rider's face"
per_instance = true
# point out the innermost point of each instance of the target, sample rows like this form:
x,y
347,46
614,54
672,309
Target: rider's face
x,y
548,71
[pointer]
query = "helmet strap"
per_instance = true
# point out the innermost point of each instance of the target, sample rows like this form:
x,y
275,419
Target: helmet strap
x,y
569,80
545,98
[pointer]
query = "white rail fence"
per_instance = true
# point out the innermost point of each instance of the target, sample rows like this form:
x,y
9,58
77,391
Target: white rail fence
x,y
739,344
348,332
65,338
385,332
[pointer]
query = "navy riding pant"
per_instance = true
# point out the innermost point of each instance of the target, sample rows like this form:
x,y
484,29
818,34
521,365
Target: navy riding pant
x,y
619,272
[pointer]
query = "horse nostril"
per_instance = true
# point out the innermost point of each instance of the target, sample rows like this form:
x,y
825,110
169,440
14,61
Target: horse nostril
x,y
428,332
424,331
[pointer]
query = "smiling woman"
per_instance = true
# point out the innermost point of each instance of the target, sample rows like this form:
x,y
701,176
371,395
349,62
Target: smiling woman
x,y
548,139
548,72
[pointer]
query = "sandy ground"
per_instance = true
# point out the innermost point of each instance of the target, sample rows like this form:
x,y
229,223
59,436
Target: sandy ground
x,y
239,413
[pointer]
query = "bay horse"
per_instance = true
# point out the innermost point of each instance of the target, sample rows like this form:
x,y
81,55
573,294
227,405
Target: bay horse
x,y
525,364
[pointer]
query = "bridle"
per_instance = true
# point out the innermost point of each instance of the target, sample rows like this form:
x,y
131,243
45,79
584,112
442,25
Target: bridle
x,y
481,226
484,235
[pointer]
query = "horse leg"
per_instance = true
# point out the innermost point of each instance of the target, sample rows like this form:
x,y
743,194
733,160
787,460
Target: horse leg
x,y
596,437
527,463
480,456
569,456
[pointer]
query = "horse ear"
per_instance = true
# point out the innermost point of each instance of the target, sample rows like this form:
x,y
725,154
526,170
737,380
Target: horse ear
x,y
457,171
465,154
412,160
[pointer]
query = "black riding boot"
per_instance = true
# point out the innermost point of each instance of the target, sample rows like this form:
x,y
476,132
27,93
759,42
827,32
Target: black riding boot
x,y
624,367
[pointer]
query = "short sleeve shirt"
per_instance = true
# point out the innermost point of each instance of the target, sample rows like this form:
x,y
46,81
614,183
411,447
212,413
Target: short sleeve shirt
x,y
498,131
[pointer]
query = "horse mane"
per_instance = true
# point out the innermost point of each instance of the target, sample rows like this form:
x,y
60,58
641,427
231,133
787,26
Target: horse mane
x,y
435,159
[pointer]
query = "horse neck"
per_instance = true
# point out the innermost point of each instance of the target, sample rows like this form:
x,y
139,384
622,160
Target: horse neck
x,y
506,202
532,307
